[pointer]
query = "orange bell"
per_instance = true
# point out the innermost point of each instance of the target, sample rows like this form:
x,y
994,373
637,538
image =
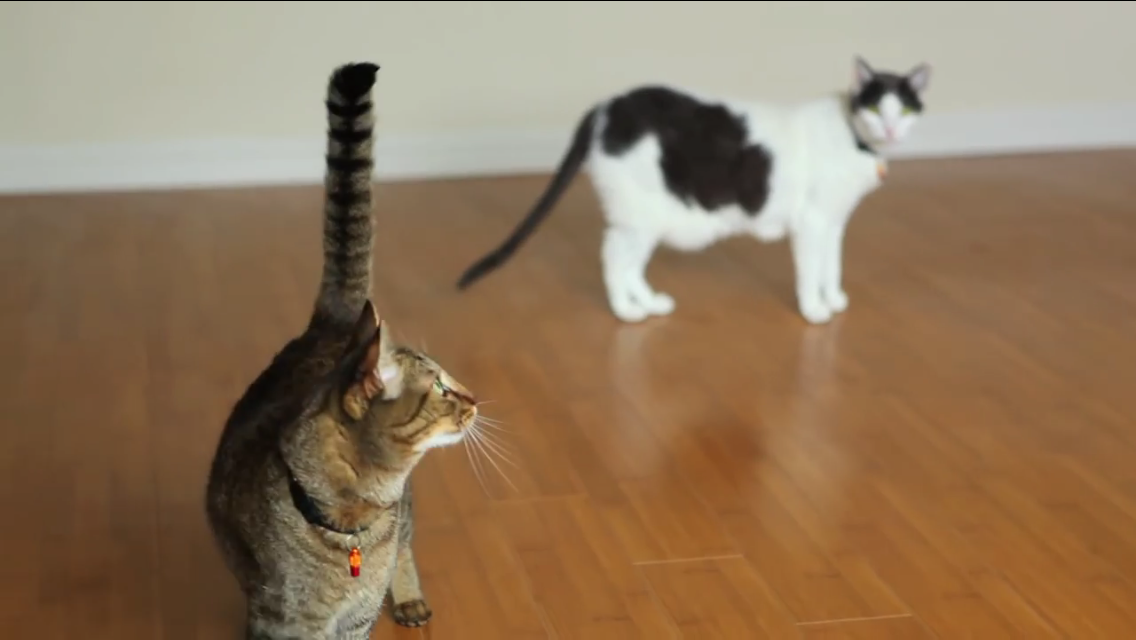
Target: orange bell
x,y
355,559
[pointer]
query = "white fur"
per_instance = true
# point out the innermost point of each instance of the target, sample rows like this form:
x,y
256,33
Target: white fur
x,y
443,440
818,179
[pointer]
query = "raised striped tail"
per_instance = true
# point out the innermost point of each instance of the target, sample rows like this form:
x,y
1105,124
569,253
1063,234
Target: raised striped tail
x,y
348,230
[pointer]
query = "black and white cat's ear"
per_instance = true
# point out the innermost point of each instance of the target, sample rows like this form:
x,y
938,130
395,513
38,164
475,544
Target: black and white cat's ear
x,y
862,72
919,77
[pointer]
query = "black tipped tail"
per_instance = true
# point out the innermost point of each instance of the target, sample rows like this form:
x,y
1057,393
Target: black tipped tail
x,y
569,167
347,226
353,81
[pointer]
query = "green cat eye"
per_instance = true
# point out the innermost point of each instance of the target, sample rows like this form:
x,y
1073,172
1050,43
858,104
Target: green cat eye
x,y
439,386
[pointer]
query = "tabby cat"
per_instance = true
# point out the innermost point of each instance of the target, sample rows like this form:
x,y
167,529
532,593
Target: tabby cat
x,y
308,496
684,171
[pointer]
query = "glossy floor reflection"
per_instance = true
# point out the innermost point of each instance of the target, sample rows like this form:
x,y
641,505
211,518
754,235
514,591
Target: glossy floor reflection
x,y
951,458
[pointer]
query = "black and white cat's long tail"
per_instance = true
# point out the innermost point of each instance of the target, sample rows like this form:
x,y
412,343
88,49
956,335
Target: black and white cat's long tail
x,y
348,230
569,166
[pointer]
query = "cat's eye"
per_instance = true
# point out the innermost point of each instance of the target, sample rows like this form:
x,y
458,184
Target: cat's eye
x,y
438,386
874,108
907,111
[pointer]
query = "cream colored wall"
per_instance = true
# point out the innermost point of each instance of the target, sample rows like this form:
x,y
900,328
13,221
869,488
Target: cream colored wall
x,y
89,72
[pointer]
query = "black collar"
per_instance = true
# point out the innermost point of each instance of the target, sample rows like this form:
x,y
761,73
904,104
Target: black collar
x,y
861,144
311,511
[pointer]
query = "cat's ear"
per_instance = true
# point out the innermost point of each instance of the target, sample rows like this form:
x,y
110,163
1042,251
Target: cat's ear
x,y
376,372
862,72
379,366
919,77
365,327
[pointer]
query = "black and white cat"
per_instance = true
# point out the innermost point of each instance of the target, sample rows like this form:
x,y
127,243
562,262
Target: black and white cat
x,y
674,169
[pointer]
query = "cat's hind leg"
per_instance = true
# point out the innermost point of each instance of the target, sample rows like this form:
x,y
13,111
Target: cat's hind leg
x,y
408,603
625,254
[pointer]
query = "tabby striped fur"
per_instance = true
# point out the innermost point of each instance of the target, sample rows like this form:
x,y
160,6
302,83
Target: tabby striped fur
x,y
348,230
342,415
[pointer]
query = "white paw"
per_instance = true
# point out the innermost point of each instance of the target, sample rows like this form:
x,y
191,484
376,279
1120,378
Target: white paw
x,y
660,304
837,300
815,311
629,311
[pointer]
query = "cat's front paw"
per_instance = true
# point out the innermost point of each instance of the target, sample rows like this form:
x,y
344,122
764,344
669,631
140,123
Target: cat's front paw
x,y
413,613
629,311
660,304
837,300
815,311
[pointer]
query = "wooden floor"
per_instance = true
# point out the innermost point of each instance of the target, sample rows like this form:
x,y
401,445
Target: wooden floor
x,y
954,457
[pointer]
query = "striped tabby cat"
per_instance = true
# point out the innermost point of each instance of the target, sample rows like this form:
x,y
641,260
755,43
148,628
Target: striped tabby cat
x,y
308,496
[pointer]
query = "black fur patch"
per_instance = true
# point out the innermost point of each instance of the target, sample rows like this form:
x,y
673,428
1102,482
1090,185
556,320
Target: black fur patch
x,y
705,155
883,83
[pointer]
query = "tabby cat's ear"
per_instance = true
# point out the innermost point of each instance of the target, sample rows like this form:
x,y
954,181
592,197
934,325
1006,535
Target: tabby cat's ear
x,y
365,327
376,372
862,72
919,77
379,365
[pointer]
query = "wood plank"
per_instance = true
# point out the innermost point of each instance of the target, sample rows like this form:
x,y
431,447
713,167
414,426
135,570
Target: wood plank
x,y
950,458
900,628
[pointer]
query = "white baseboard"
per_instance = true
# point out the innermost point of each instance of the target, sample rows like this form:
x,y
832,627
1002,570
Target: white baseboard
x,y
229,162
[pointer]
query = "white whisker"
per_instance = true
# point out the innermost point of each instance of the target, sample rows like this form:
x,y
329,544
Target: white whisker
x,y
496,438
501,453
480,449
476,439
500,448
473,467
492,424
